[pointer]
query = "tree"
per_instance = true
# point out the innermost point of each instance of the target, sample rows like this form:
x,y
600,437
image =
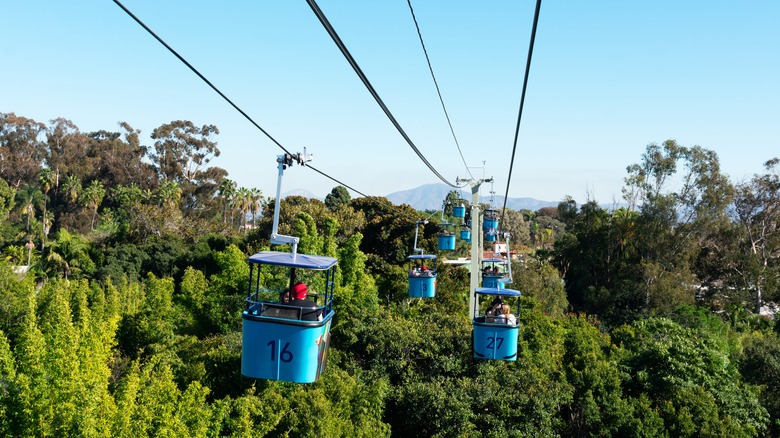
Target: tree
x,y
338,196
567,211
119,158
757,211
513,223
255,202
7,202
45,182
168,194
68,255
389,230
182,149
227,190
672,224
21,152
92,197
241,202
29,198
688,377
71,189
70,152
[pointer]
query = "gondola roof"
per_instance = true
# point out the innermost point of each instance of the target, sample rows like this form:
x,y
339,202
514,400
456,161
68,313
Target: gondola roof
x,y
306,261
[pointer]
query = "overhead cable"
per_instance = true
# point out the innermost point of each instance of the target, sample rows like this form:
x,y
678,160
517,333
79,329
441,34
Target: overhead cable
x,y
160,40
522,101
435,82
336,39
335,180
194,70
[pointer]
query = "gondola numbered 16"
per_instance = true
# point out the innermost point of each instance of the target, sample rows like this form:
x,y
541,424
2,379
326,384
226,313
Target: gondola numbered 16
x,y
279,341
285,334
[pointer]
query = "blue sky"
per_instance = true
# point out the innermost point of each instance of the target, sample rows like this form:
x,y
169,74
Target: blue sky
x,y
607,78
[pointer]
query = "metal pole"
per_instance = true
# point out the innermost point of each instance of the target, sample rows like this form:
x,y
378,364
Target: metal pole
x,y
476,247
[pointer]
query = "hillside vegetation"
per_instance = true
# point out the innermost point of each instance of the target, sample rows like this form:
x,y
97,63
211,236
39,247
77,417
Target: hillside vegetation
x,y
124,272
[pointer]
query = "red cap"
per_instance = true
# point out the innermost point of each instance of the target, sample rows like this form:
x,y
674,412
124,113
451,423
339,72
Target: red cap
x,y
299,291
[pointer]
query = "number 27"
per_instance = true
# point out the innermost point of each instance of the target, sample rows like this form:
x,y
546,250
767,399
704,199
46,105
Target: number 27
x,y
491,340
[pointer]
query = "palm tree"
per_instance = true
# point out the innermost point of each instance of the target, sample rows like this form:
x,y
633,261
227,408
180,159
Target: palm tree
x,y
68,252
71,188
241,203
92,197
255,198
227,190
31,196
45,182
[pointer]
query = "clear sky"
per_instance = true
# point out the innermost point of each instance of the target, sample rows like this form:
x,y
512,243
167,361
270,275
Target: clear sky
x,y
607,78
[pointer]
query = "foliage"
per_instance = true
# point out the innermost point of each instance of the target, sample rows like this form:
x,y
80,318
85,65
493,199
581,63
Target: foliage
x,y
338,196
128,322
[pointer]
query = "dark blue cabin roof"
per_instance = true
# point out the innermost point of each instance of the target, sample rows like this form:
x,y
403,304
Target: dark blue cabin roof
x,y
496,291
306,261
494,260
421,257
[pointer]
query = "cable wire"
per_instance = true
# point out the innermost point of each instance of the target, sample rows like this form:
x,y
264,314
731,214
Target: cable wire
x,y
522,101
340,44
335,180
194,70
436,83
213,87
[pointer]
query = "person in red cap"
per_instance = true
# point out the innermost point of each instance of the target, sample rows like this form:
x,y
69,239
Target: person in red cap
x,y
310,312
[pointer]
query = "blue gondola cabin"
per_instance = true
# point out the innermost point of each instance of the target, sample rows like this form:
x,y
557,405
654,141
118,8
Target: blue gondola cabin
x,y
495,331
422,276
286,331
494,273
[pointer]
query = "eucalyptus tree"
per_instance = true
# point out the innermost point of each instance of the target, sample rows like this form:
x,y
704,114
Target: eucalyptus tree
x,y
21,151
757,211
181,153
182,149
672,224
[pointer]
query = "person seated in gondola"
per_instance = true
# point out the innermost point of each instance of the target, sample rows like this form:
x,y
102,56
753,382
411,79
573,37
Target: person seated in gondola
x,y
505,316
495,307
310,312
425,271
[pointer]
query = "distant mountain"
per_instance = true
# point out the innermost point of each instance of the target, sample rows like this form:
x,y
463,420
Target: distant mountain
x,y
430,197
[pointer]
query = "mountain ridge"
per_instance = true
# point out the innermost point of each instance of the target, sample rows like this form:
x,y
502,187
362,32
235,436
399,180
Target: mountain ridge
x,y
431,196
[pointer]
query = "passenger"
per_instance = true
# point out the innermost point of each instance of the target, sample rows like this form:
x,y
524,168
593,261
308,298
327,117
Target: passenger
x,y
506,316
310,312
425,271
284,297
495,307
